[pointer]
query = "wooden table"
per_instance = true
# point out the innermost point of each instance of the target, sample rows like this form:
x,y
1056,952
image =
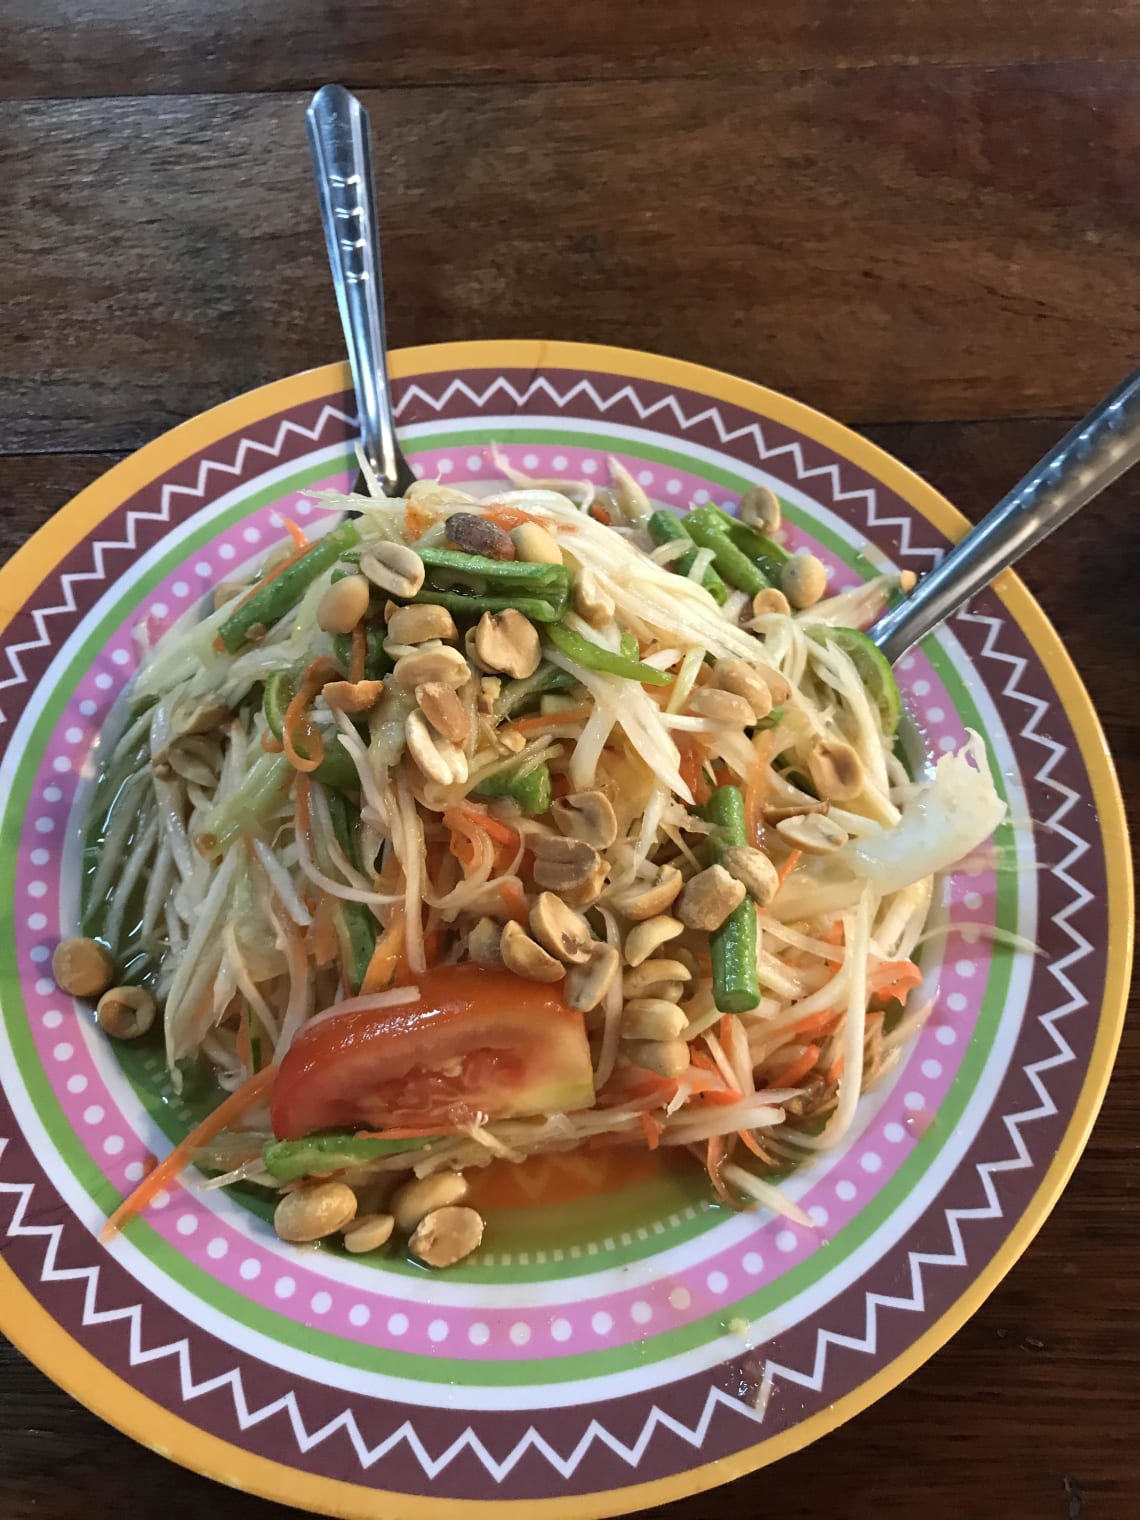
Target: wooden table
x,y
919,217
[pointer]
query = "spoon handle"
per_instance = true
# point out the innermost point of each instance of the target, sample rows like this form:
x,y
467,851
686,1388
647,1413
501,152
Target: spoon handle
x,y
342,160
1086,460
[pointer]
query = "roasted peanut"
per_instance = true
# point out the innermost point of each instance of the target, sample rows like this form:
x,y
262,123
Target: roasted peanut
x,y
508,642
125,1013
639,981
352,696
526,957
441,663
560,930
836,770
745,681
667,1058
535,545
419,623
645,899
753,868
766,602
562,863
814,833
650,1018
587,984
368,1232
722,706
394,568
81,967
760,509
444,711
644,938
446,1236
343,604
416,1199
438,758
588,816
313,1212
591,601
708,899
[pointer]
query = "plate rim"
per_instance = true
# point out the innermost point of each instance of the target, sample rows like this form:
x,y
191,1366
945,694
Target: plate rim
x,y
82,1376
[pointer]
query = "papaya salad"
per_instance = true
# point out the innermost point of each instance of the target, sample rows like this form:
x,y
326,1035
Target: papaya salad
x,y
475,829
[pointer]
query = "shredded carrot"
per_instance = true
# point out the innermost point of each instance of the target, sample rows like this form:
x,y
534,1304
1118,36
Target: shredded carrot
x,y
323,941
247,1095
756,788
386,955
834,935
789,866
719,1097
550,720
359,652
417,520
800,1067
599,514
651,1128
507,517
692,754
895,980
812,1023
749,1139
514,898
628,1084
296,724
297,534
415,1132
714,1160
834,1071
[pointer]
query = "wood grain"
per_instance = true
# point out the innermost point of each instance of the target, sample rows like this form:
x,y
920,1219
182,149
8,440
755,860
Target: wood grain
x,y
117,47
1028,1413
883,242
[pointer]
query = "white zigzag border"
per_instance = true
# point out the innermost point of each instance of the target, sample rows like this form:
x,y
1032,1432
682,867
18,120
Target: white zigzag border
x,y
102,547
773,1371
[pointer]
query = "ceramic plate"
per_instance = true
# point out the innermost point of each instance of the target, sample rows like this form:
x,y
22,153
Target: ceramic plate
x,y
621,1340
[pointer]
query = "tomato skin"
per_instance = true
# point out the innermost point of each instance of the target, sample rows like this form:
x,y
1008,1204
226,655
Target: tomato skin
x,y
477,1042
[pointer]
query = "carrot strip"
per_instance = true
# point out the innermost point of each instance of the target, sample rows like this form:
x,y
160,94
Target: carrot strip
x,y
834,1071
812,1022
651,1129
714,1160
538,721
297,534
247,1095
514,898
789,866
359,652
756,788
244,1047
324,944
800,1067
692,767
417,520
599,514
895,980
386,955
506,517
316,675
749,1140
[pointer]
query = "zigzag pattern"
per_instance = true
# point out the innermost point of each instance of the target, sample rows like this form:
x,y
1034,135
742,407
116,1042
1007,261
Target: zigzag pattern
x,y
101,547
812,1377
249,1416
540,386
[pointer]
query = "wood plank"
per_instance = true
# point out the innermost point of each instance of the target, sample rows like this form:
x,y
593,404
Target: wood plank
x,y
879,242
115,47
1027,1411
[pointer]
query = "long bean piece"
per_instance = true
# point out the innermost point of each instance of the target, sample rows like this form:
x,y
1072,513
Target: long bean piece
x,y
666,528
268,602
736,987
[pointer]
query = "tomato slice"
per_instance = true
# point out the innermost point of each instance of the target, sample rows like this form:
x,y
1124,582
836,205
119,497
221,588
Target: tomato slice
x,y
477,1042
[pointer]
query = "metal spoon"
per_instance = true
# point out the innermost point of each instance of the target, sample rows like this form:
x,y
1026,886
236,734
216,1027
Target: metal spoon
x,y
342,160
1086,460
